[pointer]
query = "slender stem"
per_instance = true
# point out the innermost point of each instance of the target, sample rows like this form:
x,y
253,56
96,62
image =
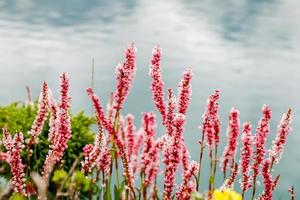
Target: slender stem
x,y
215,164
243,194
210,181
200,161
254,188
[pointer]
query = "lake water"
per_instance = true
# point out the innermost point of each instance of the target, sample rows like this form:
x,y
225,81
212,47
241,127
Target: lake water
x,y
246,48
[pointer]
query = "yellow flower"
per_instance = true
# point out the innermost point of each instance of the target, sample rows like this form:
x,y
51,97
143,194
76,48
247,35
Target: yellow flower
x,y
226,195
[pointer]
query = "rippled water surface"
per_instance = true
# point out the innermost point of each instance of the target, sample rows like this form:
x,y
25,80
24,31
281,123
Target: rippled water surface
x,y
249,49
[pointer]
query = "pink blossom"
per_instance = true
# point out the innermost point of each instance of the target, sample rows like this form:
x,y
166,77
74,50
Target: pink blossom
x,y
41,117
14,148
102,120
149,126
173,156
157,85
136,150
63,128
184,91
93,157
232,140
170,112
87,149
246,156
105,159
280,140
153,167
186,187
124,74
52,136
263,130
185,157
267,180
210,120
129,135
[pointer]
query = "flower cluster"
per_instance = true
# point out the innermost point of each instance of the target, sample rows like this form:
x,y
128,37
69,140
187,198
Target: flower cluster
x,y
232,140
124,74
246,155
210,120
280,140
63,134
14,146
41,117
157,84
184,91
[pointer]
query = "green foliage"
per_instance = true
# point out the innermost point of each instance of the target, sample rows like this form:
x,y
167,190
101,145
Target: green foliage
x,y
17,196
81,182
59,175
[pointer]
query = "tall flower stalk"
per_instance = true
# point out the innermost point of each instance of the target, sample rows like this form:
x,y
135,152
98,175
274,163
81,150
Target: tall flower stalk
x,y
233,132
280,140
58,148
262,132
210,134
246,155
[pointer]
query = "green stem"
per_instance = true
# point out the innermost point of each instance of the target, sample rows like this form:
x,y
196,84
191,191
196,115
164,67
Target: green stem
x,y
200,162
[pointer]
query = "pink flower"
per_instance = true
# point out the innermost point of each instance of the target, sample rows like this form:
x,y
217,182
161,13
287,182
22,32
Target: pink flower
x,y
211,123
246,156
124,74
105,159
102,120
129,135
41,117
267,179
184,91
282,133
184,192
52,136
93,157
157,85
87,149
136,151
153,167
185,158
149,126
14,148
173,156
229,183
260,139
232,140
170,112
63,128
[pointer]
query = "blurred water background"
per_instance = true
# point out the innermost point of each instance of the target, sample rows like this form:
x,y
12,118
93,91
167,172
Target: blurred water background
x,y
248,49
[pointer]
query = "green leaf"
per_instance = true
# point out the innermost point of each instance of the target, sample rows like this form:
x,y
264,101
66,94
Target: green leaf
x,y
197,196
59,176
17,196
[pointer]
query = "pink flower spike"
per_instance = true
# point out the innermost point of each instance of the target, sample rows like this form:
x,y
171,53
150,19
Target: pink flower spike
x,y
246,156
129,135
280,140
15,161
157,85
184,91
102,120
52,136
263,131
153,167
149,126
173,155
41,117
105,160
267,180
232,140
186,187
124,74
87,149
210,120
170,112
55,153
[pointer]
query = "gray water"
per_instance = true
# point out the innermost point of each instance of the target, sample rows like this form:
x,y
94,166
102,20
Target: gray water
x,y
246,48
